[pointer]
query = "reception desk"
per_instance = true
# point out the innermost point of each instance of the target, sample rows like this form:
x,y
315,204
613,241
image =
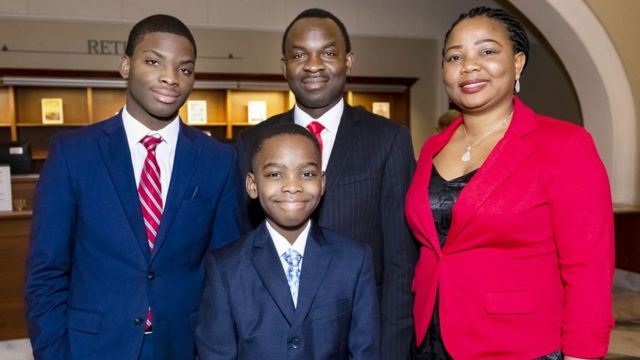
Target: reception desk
x,y
627,222
14,243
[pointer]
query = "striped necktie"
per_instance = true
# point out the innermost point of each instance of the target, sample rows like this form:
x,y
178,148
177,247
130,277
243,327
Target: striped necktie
x,y
150,193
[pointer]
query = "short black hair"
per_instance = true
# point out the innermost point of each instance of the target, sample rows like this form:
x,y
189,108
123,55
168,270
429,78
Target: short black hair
x,y
158,23
517,33
281,129
322,14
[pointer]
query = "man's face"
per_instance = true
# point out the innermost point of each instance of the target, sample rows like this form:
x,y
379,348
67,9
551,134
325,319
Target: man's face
x,y
288,181
160,76
316,64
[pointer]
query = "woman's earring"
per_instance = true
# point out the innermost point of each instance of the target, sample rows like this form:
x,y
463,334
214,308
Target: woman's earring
x,y
517,86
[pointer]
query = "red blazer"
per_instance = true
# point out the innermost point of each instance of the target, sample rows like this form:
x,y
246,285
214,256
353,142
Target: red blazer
x,y
528,263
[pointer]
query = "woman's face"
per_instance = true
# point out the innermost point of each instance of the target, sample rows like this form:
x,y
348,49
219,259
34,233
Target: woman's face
x,y
479,65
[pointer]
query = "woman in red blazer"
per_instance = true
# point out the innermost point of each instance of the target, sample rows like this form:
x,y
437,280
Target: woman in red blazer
x,y
514,215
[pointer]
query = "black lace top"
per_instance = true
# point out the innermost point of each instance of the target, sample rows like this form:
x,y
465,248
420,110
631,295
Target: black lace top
x,y
442,196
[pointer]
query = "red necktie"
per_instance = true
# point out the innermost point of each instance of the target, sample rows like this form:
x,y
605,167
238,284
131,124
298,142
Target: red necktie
x,y
316,129
150,192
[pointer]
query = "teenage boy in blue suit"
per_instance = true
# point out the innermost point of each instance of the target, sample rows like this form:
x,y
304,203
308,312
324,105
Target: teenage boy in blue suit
x,y
289,289
124,212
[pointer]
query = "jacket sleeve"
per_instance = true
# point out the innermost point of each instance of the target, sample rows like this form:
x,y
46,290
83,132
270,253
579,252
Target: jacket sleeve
x,y
49,258
364,333
582,217
399,249
215,333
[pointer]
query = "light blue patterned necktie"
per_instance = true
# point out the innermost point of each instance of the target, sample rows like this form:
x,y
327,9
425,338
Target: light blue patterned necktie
x,y
293,258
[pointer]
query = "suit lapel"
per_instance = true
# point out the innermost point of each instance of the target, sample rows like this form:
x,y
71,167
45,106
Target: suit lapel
x,y
184,165
315,263
269,268
347,131
117,159
505,158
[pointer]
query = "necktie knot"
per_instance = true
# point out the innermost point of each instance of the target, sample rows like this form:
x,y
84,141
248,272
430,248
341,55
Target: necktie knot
x,y
292,257
315,128
151,142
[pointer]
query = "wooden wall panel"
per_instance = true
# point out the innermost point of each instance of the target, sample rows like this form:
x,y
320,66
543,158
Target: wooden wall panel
x,y
14,242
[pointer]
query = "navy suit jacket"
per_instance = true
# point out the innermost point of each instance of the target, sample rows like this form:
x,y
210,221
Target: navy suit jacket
x,y
247,312
90,274
368,174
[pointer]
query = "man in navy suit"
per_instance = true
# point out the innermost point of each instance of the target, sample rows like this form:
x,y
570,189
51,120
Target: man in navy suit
x,y
369,163
289,289
124,212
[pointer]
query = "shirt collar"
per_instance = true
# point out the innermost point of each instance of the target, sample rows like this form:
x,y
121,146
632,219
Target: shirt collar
x,y
282,245
330,120
135,130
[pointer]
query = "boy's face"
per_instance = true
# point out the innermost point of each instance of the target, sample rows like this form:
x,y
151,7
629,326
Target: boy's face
x,y
288,180
160,76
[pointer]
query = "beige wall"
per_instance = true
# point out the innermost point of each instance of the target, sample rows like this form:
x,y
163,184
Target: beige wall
x,y
620,20
259,52
546,86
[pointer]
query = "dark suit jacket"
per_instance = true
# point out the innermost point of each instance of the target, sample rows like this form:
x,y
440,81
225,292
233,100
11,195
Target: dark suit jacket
x,y
247,312
90,273
368,175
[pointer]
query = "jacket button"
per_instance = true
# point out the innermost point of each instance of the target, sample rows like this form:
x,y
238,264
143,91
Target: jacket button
x,y
295,343
138,321
151,275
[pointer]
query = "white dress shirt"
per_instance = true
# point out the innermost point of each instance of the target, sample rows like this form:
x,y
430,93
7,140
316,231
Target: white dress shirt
x,y
282,245
330,120
165,152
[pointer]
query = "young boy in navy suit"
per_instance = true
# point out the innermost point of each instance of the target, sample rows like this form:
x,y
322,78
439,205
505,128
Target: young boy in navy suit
x,y
288,289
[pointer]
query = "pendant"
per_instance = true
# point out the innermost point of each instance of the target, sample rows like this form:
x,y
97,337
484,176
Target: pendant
x,y
466,156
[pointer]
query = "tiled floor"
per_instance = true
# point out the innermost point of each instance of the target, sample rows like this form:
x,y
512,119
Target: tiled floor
x,y
625,339
15,350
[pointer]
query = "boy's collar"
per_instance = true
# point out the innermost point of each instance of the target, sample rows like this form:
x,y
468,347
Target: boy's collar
x,y
282,245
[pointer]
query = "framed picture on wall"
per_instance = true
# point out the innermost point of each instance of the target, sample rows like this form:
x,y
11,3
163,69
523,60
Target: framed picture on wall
x,y
196,112
381,108
52,111
257,111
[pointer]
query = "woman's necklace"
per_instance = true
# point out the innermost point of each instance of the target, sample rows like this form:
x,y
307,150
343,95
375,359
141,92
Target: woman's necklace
x,y
466,156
